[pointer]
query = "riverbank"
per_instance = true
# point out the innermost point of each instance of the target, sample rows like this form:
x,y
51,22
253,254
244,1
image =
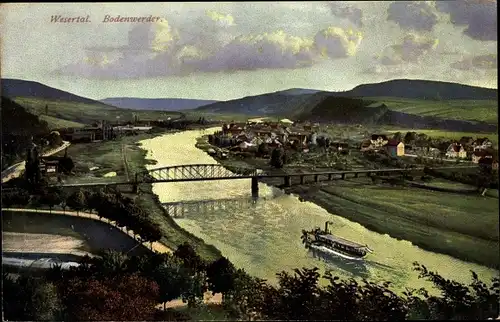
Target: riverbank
x,y
463,227
125,157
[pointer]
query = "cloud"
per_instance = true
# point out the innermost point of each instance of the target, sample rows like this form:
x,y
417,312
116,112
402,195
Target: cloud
x,y
413,15
220,18
477,62
268,50
414,46
335,42
162,50
353,14
479,17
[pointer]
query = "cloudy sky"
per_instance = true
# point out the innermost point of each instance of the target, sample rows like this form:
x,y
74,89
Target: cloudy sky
x,y
230,50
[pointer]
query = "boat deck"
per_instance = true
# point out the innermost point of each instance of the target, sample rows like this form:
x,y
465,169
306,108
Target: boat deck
x,y
342,241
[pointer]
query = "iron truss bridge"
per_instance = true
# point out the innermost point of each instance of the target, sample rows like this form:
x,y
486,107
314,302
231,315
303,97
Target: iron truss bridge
x,y
194,172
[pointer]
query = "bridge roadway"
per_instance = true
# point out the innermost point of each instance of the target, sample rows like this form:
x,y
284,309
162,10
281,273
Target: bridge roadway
x,y
286,176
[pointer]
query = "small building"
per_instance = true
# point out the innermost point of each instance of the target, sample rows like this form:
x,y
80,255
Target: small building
x,y
366,146
49,167
395,148
457,151
379,140
489,163
481,144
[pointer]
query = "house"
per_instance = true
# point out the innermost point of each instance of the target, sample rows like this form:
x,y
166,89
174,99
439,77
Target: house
x,y
236,129
366,146
481,144
456,150
479,154
378,140
489,163
395,148
301,137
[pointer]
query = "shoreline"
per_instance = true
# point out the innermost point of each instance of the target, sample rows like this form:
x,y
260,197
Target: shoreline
x,y
150,202
311,193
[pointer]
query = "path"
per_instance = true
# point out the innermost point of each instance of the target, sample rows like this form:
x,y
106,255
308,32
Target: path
x,y
124,159
15,170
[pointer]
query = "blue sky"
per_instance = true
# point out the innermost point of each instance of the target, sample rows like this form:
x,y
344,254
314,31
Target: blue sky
x,y
230,50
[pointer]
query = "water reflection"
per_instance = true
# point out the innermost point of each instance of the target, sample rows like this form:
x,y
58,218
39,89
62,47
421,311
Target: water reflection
x,y
334,263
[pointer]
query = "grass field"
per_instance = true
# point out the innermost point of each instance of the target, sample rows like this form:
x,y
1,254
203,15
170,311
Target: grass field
x,y
55,123
86,113
109,157
465,227
474,110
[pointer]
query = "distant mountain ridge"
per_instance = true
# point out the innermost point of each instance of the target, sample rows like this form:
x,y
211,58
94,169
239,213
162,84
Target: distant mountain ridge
x,y
12,88
423,89
160,104
290,101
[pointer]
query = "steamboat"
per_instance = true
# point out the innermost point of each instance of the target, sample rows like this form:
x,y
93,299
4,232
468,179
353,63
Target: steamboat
x,y
326,242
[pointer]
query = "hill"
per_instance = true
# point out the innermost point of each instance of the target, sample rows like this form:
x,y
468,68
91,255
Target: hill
x,y
361,111
160,104
63,109
22,88
422,90
418,97
18,125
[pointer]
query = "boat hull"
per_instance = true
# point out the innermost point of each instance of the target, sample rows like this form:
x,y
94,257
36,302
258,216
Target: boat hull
x,y
336,253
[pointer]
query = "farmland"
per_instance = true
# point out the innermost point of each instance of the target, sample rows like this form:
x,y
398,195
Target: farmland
x,y
85,113
472,110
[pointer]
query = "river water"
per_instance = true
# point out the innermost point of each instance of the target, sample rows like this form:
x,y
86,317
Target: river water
x,y
264,237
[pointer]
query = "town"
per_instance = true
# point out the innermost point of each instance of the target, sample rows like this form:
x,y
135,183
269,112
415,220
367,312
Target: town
x,y
258,138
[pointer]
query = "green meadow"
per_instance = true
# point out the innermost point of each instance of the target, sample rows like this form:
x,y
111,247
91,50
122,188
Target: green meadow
x,y
473,110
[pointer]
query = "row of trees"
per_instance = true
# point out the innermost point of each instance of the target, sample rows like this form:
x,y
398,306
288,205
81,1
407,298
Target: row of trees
x,y
117,208
117,287
112,205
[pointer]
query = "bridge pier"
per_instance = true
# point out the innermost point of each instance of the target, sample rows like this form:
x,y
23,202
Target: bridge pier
x,y
255,187
288,181
356,175
135,188
329,177
315,178
301,179
343,176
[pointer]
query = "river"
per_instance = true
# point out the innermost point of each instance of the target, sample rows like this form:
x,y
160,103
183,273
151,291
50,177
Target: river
x,y
264,237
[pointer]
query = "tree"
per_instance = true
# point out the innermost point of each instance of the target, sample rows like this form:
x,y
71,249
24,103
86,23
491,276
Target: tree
x,y
171,278
410,137
30,298
187,254
77,200
66,165
263,149
52,196
126,297
397,136
221,276
277,158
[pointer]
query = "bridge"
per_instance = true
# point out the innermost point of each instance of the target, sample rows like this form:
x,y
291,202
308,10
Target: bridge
x,y
206,172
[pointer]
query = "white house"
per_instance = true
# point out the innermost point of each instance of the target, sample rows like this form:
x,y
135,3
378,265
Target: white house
x,y
456,150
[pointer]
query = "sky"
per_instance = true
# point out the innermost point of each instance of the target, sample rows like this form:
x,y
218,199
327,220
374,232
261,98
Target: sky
x,y
228,50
